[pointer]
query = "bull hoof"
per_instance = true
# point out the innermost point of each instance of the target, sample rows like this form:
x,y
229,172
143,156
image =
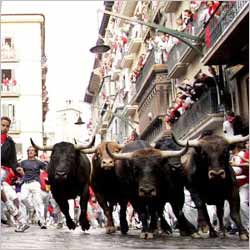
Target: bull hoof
x,y
110,230
213,234
244,236
85,226
184,233
195,235
124,229
146,235
71,224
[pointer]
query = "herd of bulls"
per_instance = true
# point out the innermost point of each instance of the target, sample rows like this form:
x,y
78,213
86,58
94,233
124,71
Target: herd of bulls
x,y
148,176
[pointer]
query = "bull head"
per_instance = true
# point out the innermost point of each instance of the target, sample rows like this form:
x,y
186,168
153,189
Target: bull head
x,y
163,153
50,148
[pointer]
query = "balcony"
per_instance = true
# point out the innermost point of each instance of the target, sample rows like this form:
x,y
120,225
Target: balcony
x,y
127,9
127,60
10,90
204,114
134,45
8,54
153,104
151,66
181,54
228,34
15,127
155,130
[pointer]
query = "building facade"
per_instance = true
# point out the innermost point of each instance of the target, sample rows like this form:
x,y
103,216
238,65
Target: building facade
x,y
23,76
150,71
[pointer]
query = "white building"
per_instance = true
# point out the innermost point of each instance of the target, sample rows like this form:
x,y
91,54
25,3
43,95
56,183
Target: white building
x,y
66,129
23,74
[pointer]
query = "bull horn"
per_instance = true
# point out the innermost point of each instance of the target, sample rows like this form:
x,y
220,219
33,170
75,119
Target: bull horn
x,y
174,153
89,150
119,156
236,139
183,143
80,147
75,141
43,148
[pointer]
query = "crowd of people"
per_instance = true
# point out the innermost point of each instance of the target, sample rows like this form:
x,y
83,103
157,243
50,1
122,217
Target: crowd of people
x,y
188,93
26,196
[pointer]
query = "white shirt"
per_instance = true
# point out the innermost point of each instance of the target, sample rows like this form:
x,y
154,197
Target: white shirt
x,y
228,128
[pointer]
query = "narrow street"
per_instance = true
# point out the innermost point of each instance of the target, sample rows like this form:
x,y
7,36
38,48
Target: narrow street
x,y
52,238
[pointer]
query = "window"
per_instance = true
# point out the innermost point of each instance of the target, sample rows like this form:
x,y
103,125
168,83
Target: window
x,y
8,41
6,73
8,110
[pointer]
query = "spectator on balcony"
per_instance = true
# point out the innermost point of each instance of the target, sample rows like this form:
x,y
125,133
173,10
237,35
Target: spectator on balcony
x,y
159,47
186,100
181,26
165,47
187,88
150,44
212,7
179,105
187,17
5,84
195,5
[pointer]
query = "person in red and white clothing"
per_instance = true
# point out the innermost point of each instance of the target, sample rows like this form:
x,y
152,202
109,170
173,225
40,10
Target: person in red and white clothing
x,y
8,171
240,164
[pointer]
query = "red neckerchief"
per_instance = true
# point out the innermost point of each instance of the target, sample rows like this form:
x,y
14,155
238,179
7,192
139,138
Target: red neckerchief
x,y
3,138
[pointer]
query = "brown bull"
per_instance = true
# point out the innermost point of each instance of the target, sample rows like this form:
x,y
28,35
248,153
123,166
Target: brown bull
x,y
106,185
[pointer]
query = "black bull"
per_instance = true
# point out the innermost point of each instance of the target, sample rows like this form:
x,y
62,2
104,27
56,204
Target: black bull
x,y
211,180
147,183
68,174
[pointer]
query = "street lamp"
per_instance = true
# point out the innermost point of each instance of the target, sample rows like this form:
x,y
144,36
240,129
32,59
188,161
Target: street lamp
x,y
100,47
188,39
79,121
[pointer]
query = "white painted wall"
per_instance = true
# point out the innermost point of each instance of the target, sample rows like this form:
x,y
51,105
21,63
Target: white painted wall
x,y
27,42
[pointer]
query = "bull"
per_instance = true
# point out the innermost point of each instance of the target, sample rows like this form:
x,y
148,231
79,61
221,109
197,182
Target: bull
x,y
68,176
139,170
106,186
211,180
173,187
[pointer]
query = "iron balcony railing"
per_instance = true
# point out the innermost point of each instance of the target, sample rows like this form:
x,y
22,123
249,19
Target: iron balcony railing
x,y
145,70
10,89
153,130
223,17
8,54
207,104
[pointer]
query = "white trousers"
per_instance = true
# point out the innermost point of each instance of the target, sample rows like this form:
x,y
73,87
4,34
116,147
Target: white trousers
x,y
244,205
33,189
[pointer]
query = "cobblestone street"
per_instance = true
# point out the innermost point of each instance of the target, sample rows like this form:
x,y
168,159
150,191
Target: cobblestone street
x,y
35,238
